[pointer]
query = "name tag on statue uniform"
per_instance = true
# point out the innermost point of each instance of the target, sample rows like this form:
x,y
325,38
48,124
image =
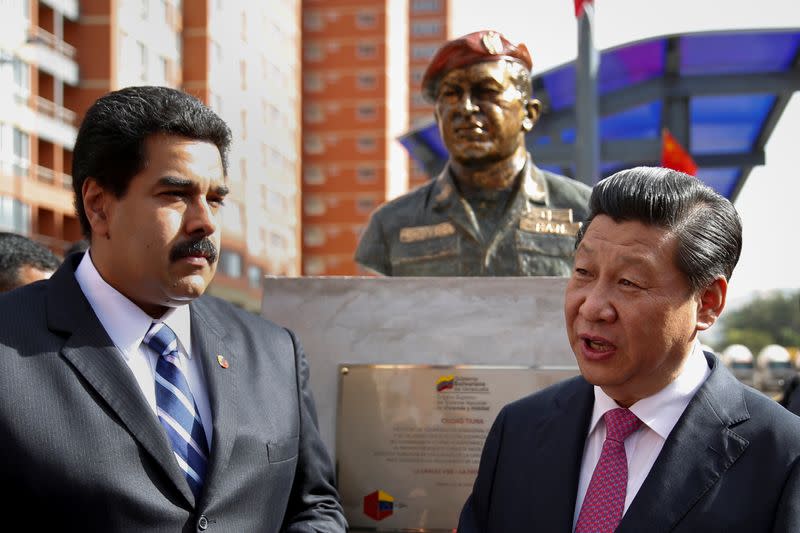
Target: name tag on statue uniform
x,y
550,222
423,233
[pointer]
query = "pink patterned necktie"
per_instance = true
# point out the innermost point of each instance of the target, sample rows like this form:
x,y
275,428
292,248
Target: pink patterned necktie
x,y
602,507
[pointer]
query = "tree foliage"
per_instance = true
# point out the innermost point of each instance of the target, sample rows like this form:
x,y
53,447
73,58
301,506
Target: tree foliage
x,y
771,319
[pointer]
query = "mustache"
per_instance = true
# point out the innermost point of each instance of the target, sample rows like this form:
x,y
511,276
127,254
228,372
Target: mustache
x,y
202,246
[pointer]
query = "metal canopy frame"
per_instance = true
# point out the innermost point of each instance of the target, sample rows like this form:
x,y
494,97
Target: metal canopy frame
x,y
672,89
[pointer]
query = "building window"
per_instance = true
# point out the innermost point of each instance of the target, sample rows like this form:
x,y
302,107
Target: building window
x,y
22,76
314,206
313,113
276,202
313,52
366,51
426,6
313,236
144,10
313,175
366,112
243,74
313,145
313,21
366,82
366,19
165,70
142,61
426,28
365,205
423,51
255,275
365,144
243,168
313,82
243,116
14,215
366,174
244,26
314,266
231,263
22,157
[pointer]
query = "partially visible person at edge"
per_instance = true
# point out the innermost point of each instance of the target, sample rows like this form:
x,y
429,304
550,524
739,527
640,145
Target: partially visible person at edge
x,y
23,261
655,434
129,401
491,211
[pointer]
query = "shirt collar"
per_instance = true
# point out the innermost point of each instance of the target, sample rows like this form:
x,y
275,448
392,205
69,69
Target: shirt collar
x,y
661,411
125,323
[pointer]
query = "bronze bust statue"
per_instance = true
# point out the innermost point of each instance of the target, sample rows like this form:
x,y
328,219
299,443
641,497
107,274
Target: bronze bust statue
x,y
491,212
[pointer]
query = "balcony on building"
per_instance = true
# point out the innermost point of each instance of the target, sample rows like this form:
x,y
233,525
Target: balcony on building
x,y
52,55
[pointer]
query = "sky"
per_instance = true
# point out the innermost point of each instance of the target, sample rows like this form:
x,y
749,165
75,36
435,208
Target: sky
x,y
768,203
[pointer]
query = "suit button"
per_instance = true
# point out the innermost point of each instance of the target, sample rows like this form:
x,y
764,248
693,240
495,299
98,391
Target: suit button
x,y
202,523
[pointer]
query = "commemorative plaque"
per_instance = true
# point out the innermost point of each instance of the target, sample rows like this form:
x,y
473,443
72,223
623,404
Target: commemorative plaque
x,y
409,438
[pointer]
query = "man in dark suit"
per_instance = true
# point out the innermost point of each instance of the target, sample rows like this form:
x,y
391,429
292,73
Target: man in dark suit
x,y
23,261
129,401
655,435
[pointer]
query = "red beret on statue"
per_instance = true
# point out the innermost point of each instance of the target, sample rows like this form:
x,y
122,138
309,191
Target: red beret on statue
x,y
477,47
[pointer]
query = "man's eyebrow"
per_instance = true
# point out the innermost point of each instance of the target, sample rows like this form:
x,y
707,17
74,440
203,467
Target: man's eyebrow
x,y
174,181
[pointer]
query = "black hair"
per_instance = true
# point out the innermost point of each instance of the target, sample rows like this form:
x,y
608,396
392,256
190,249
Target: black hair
x,y
17,252
110,142
707,226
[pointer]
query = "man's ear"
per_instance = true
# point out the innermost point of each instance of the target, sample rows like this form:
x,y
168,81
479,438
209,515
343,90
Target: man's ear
x,y
711,302
533,109
96,205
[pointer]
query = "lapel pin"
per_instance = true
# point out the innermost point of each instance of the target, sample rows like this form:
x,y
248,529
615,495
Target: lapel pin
x,y
222,361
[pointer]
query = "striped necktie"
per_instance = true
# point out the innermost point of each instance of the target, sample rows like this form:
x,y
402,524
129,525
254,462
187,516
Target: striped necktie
x,y
176,408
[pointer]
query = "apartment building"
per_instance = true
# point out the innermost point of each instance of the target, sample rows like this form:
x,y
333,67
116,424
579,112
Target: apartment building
x,y
355,105
58,56
243,59
429,28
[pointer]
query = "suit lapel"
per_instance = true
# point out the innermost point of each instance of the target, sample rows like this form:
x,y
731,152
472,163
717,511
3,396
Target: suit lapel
x,y
554,477
699,450
94,356
208,343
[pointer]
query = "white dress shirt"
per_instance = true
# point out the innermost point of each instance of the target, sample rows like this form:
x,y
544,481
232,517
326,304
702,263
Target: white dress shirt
x,y
659,413
126,325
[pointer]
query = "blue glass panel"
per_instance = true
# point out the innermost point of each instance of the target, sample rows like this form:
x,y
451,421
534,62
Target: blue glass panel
x,y
430,136
727,124
542,141
560,85
630,65
641,122
740,52
619,68
722,180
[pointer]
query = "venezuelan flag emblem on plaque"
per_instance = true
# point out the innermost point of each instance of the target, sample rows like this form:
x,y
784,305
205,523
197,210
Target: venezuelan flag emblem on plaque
x,y
445,382
378,505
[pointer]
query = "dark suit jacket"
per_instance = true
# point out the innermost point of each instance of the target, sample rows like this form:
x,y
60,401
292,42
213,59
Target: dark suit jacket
x,y
791,395
731,464
81,449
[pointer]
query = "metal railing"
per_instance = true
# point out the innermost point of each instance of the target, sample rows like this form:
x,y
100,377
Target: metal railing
x,y
43,36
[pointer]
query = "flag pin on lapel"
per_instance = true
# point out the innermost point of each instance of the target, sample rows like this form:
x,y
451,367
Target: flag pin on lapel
x,y
222,361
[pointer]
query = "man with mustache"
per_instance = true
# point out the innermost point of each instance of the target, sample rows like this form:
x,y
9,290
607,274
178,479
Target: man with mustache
x,y
128,400
655,435
491,212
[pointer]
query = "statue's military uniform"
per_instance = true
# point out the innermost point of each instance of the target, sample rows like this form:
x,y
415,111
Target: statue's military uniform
x,y
433,231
